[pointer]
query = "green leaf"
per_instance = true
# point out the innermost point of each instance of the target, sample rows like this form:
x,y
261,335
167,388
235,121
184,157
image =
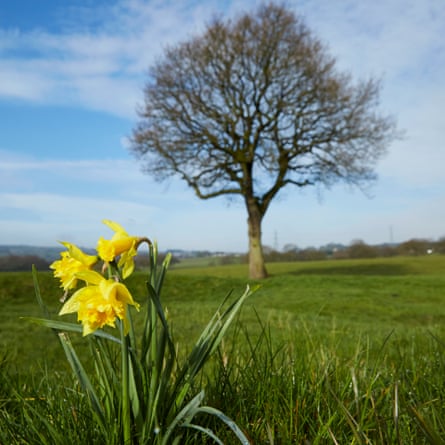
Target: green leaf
x,y
81,374
227,420
109,384
42,305
184,416
207,431
70,327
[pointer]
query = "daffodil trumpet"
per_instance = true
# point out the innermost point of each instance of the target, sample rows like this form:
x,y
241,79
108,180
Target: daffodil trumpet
x,y
99,303
121,245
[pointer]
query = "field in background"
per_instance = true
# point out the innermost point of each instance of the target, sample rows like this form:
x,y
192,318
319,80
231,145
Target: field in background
x,y
319,343
375,296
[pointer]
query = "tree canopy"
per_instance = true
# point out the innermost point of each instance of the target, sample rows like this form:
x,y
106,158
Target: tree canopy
x,y
256,104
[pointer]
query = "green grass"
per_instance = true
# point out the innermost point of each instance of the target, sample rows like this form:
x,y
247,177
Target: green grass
x,y
324,352
372,296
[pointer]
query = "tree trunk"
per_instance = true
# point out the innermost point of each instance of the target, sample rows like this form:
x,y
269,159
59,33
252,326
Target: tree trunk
x,y
257,269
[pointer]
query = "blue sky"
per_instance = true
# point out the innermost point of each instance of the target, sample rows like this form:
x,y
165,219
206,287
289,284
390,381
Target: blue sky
x,y
71,77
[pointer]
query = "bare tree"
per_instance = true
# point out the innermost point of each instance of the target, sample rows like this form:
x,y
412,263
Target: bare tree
x,y
253,105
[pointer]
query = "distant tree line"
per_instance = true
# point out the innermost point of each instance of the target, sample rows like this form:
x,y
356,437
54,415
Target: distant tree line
x,y
357,249
142,261
18,263
290,252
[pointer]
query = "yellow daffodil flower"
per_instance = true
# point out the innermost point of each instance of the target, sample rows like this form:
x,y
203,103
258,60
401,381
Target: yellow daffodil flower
x,y
99,303
72,261
121,244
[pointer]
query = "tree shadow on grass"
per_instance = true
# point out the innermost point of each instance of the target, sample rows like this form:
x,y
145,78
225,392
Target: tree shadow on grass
x,y
356,269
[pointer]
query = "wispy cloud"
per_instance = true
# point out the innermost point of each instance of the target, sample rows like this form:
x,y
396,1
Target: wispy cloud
x,y
392,37
400,41
87,61
53,216
104,172
66,200
48,217
100,67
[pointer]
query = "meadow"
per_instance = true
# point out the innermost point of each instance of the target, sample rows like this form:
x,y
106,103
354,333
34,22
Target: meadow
x,y
324,352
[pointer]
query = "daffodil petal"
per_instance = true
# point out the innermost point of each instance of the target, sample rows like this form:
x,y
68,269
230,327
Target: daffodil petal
x,y
125,295
73,304
87,329
114,226
78,255
105,249
90,276
126,262
128,268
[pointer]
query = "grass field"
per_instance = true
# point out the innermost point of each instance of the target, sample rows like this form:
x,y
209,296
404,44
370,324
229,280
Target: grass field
x,y
340,352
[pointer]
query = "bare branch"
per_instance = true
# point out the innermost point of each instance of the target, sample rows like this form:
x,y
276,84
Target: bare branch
x,y
254,105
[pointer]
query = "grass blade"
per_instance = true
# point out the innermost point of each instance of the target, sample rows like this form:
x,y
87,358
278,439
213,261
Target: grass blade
x,y
39,298
82,376
227,420
429,432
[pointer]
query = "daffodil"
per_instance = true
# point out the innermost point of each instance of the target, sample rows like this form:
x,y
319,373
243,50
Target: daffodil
x,y
72,261
99,303
121,245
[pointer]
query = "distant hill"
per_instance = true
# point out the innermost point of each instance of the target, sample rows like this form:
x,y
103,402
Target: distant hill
x,y
47,253
53,253
21,257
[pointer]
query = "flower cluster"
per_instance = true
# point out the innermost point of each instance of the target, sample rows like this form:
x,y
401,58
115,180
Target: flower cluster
x,y
103,299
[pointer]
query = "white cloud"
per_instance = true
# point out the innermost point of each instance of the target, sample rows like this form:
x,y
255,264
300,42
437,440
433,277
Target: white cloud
x,y
101,177
67,199
44,218
19,83
402,42
100,67
102,171
380,36
103,66
74,215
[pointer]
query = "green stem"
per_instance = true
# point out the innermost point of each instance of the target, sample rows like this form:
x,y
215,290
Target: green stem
x,y
125,388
